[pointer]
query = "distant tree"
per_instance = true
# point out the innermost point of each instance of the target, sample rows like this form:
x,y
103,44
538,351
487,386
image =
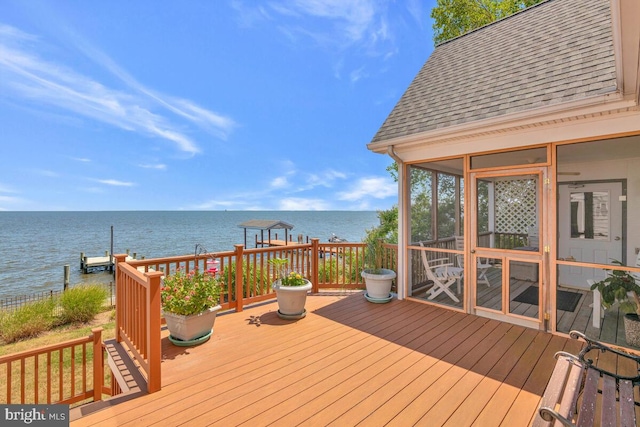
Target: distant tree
x,y
387,230
453,18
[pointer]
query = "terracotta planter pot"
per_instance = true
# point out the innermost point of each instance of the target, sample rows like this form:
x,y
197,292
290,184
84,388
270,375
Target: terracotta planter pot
x,y
378,284
291,299
188,328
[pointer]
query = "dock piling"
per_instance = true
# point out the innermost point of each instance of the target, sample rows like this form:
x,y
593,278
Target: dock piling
x,y
66,277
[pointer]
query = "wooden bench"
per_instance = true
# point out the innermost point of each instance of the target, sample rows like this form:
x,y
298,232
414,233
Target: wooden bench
x,y
578,391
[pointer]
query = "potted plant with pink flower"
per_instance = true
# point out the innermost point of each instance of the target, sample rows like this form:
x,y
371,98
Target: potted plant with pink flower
x,y
190,301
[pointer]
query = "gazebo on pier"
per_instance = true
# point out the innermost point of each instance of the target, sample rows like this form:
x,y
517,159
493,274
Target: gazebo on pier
x,y
267,225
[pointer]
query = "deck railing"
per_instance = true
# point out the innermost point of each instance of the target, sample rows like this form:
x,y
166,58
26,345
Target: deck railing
x,y
138,317
63,373
246,276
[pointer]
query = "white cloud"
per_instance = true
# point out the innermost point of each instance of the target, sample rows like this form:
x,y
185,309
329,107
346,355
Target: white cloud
x,y
279,182
9,199
248,14
94,190
215,204
27,75
352,19
81,159
158,166
302,204
330,23
324,179
115,182
371,187
356,75
6,189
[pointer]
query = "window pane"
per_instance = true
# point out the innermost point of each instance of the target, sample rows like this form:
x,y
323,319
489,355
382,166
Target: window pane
x,y
446,206
508,213
512,158
421,199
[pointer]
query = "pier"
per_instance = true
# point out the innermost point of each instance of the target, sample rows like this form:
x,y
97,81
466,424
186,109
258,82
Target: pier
x,y
99,263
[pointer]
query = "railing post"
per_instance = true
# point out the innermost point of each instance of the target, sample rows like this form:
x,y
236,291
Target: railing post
x,y
239,280
98,364
315,260
119,295
154,346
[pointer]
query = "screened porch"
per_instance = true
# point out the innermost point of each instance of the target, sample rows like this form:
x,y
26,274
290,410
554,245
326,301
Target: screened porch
x,y
580,196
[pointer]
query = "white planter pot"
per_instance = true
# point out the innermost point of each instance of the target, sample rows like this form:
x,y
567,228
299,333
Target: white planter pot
x,y
291,299
188,328
378,284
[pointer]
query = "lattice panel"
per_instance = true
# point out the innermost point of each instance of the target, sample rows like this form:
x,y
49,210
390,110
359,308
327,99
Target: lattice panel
x,y
515,203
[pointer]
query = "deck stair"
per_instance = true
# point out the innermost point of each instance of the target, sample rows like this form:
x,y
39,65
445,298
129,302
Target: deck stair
x,y
128,381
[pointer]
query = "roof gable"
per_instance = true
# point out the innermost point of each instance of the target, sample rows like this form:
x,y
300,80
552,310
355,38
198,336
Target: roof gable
x,y
557,51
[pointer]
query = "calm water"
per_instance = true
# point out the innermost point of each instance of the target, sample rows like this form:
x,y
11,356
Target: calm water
x,y
35,246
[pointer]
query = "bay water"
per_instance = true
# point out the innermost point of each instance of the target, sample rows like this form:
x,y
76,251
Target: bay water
x,y
35,246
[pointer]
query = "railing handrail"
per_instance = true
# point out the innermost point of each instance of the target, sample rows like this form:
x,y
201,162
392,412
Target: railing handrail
x,y
97,372
46,349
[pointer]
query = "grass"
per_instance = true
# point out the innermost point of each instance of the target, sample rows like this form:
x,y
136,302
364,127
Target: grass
x,y
64,333
77,305
30,320
66,367
81,304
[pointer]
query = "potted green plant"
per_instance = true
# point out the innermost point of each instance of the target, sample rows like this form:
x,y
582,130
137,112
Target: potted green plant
x,y
622,287
291,290
190,301
378,281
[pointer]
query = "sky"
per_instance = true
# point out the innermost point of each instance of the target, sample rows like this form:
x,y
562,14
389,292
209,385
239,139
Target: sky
x,y
202,105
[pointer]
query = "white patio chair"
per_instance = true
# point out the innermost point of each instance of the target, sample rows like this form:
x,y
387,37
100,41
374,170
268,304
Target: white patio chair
x,y
482,265
442,274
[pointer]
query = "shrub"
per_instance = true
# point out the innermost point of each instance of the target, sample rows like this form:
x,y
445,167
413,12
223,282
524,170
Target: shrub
x,y
27,321
82,303
255,280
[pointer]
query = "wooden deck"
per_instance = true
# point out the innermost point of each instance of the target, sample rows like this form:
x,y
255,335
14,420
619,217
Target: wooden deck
x,y
349,362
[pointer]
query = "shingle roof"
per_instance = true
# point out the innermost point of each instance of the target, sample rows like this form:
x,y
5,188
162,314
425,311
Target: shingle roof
x,y
554,52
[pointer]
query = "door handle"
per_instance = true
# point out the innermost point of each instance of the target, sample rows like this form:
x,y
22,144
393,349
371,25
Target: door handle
x,y
473,251
617,238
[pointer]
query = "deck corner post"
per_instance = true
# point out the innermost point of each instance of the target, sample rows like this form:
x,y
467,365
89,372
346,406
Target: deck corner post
x,y
239,249
315,260
120,293
154,340
98,364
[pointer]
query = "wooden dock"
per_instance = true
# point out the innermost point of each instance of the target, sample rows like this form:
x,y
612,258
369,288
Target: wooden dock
x,y
96,264
276,242
99,263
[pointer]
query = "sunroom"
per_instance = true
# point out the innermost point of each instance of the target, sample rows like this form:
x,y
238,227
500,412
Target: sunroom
x,y
518,148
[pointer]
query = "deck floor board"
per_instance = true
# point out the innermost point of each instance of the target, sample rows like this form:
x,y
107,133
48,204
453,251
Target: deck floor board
x,y
349,362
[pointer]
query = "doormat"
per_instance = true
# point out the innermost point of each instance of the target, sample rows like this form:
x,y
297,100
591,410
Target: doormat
x,y
567,301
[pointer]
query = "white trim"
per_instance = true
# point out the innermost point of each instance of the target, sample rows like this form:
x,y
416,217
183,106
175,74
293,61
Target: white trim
x,y
616,30
583,128
604,104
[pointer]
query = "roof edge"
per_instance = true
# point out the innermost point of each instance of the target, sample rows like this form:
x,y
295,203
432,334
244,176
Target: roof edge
x,y
610,102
